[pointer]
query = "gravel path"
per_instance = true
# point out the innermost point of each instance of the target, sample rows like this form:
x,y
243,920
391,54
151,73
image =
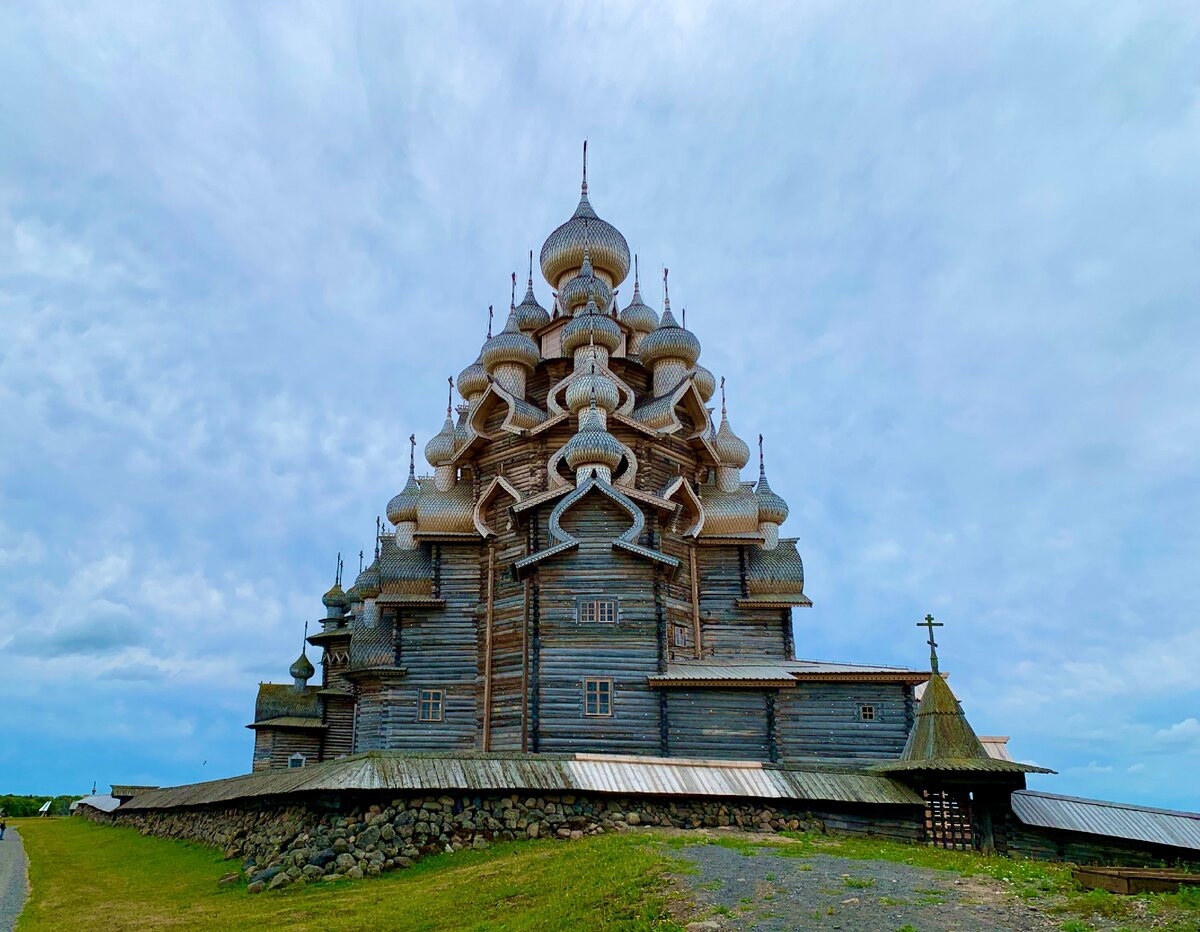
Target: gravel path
x,y
14,882
771,892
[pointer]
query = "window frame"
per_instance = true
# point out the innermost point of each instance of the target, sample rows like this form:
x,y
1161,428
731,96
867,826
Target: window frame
x,y
595,609
607,692
435,698
868,712
680,636
296,756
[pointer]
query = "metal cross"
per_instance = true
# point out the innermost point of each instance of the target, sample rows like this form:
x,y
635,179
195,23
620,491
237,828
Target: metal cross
x,y
931,624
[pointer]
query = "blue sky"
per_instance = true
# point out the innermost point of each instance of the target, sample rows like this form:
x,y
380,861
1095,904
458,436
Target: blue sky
x,y
944,253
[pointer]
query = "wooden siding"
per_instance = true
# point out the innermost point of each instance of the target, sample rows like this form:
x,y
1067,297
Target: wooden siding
x,y
722,724
339,737
822,720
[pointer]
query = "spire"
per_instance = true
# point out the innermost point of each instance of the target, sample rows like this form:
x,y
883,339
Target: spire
x,y
450,397
531,270
724,416
930,624
378,533
636,283
360,562
666,292
489,336
583,187
512,302
762,470
412,457
337,576
683,323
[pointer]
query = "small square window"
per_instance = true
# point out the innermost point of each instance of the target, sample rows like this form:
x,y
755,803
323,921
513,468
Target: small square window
x,y
679,636
597,696
430,706
598,611
297,760
866,713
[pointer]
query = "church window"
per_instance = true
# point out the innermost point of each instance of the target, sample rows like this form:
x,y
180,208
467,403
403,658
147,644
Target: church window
x,y
597,696
297,760
430,706
680,636
598,611
866,713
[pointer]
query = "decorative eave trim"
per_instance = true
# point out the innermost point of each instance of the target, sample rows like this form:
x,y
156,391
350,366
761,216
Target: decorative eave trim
x,y
783,600
378,673
410,598
450,537
910,678
273,724
721,540
713,683
497,485
318,639
541,498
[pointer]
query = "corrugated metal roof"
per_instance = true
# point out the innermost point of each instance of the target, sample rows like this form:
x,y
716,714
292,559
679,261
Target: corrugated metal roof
x,y
1112,820
781,671
104,802
385,770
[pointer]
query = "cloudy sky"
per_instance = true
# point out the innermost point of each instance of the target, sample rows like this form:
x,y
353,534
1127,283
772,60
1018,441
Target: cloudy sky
x,y
946,255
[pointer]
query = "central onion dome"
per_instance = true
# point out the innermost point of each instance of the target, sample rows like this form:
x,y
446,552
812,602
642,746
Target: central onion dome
x,y
302,669
563,249
638,316
403,506
509,346
583,287
593,388
670,341
439,451
593,445
590,326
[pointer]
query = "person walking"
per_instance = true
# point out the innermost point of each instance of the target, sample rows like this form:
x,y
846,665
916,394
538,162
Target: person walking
x,y
3,826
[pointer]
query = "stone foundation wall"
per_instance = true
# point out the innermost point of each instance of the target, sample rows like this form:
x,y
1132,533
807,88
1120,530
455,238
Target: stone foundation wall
x,y
301,841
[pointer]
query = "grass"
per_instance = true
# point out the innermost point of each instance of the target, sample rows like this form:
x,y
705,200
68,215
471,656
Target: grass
x,y
86,877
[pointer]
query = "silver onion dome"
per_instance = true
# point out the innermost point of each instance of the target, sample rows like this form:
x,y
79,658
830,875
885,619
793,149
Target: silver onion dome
x,y
334,598
583,287
510,345
594,387
772,509
590,326
638,315
403,506
367,582
473,380
669,341
593,445
563,249
731,449
439,451
302,669
705,381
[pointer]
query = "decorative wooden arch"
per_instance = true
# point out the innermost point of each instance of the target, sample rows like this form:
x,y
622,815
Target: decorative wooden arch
x,y
498,486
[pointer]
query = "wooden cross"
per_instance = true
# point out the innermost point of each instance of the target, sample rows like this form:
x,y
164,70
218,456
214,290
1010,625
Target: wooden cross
x,y
931,624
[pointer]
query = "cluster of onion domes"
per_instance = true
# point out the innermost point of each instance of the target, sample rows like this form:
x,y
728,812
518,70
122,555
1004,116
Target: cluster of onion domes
x,y
530,315
509,347
564,248
590,327
585,286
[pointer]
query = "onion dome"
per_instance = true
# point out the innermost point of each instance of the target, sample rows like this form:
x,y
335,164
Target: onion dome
x,y
563,249
530,314
772,509
583,287
473,380
731,449
403,506
460,427
638,316
334,598
590,326
593,445
302,669
510,345
669,341
367,583
595,386
439,451
705,382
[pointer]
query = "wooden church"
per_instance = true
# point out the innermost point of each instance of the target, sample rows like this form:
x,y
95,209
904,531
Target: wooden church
x,y
587,571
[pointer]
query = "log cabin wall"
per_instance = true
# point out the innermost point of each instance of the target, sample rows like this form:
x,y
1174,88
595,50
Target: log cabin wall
x,y
719,724
825,720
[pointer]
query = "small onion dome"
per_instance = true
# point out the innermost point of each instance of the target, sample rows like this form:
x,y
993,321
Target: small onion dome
x,y
639,316
510,345
439,451
731,449
367,583
473,380
593,445
669,341
584,286
591,327
335,597
530,314
302,669
403,506
594,385
460,428
772,509
563,249
706,383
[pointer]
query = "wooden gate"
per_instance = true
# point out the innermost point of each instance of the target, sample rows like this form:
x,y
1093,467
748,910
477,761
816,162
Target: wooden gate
x,y
948,819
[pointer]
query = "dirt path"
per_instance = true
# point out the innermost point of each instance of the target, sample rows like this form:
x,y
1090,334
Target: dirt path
x,y
14,883
769,891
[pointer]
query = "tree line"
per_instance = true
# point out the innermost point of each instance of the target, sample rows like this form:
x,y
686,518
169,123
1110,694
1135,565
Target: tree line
x,y
16,807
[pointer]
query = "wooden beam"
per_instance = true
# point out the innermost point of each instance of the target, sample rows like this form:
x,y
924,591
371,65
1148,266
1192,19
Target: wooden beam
x,y
487,646
698,647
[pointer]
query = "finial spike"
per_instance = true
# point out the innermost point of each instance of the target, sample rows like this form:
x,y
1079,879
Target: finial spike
x,y
666,291
762,470
450,396
360,563
337,573
722,397
583,187
304,642
489,336
930,624
378,534
635,272
531,268
685,318
412,455
513,301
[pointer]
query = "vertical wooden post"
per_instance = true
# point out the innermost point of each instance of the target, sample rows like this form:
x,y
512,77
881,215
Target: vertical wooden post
x,y
696,633
487,647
